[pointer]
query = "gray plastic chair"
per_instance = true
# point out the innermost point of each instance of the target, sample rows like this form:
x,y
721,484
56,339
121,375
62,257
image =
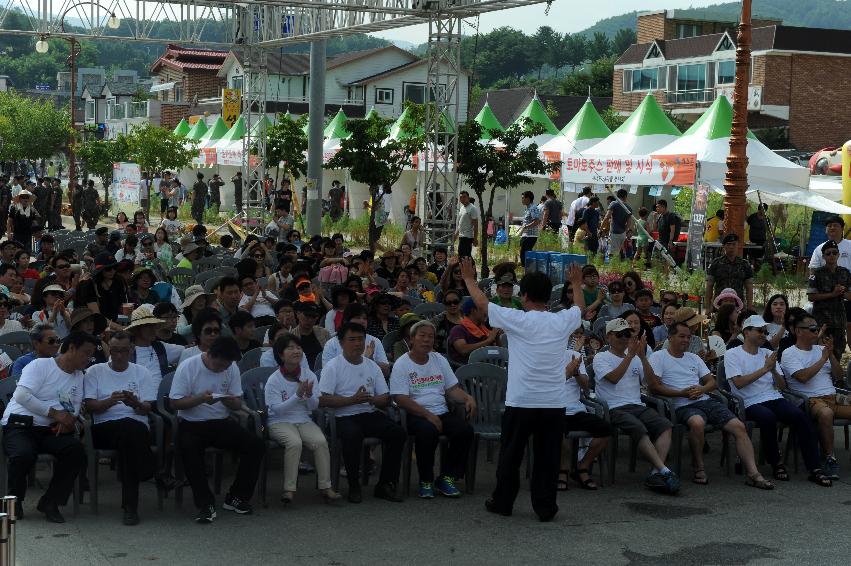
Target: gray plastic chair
x,y
486,383
250,360
181,278
429,310
254,395
496,355
388,341
19,339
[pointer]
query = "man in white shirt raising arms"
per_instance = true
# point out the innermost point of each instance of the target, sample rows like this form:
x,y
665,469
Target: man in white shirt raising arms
x,y
535,399
682,376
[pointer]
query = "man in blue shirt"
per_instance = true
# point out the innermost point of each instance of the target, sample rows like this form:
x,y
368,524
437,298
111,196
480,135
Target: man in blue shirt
x,y
45,344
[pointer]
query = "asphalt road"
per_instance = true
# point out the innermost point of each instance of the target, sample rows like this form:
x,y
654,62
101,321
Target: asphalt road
x,y
722,523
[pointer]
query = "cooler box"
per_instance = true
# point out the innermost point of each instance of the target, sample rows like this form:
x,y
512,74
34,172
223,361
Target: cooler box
x,y
531,261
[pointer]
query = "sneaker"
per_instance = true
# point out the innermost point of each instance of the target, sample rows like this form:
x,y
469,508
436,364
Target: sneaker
x,y
831,468
387,491
425,491
237,505
446,486
672,482
491,507
206,515
656,482
131,517
355,494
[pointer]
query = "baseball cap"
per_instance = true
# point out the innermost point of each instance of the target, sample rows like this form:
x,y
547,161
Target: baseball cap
x,y
616,325
754,321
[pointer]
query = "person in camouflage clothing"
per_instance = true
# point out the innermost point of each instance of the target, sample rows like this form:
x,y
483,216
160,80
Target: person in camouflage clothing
x,y
827,288
729,272
91,205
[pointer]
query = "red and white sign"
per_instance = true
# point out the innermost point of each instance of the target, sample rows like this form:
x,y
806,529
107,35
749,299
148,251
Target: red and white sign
x,y
660,170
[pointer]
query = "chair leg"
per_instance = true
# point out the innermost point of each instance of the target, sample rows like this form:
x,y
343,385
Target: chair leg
x,y
407,456
613,454
264,476
217,473
93,482
472,465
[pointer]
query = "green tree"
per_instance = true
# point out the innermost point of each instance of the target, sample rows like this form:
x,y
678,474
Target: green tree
x,y
573,51
286,142
99,155
545,43
506,165
31,128
599,47
612,119
598,76
622,40
374,160
159,149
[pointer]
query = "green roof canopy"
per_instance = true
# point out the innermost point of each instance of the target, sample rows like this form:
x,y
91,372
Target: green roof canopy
x,y
586,125
264,123
218,129
198,130
182,128
535,111
336,128
647,120
236,131
396,132
716,122
371,113
488,121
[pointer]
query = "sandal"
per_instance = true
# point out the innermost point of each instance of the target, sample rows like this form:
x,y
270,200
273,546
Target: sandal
x,y
561,485
759,482
780,473
819,479
699,477
588,484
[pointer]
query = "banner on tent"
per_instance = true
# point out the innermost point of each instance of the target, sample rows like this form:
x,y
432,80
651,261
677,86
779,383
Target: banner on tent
x,y
126,178
664,170
206,157
553,157
699,202
231,105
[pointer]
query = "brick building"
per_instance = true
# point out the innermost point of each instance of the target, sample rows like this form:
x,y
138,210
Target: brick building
x,y
798,75
182,77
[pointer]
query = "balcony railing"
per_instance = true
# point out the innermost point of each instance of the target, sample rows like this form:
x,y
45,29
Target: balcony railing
x,y
137,109
690,96
119,111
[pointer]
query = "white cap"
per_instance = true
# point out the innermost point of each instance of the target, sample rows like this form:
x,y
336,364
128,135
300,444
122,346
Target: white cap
x,y
754,321
616,325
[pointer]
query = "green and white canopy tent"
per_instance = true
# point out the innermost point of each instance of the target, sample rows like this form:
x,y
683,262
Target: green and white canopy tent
x,y
646,131
196,131
182,128
535,112
771,178
488,121
214,133
584,131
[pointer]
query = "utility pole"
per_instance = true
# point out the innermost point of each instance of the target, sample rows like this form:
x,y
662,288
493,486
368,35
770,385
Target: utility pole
x,y
736,180
72,63
314,137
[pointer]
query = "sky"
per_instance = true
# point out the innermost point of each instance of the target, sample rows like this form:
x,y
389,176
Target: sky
x,y
564,16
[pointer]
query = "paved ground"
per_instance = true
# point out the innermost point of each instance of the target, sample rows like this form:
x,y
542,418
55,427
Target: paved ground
x,y
723,523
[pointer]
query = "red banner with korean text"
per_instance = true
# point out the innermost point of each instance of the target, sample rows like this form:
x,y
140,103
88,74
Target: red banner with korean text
x,y
660,170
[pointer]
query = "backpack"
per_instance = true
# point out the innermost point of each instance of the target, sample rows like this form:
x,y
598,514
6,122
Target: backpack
x,y
162,357
334,274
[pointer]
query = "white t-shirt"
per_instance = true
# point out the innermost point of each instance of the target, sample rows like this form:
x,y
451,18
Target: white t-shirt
x,y
575,207
188,353
101,381
194,378
795,359
342,378
330,317
262,306
571,387
627,391
535,340
51,388
11,326
817,260
282,402
679,373
466,215
426,384
737,362
147,358
333,349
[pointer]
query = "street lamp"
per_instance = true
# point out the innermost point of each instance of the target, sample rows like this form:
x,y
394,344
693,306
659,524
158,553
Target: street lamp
x,y
42,46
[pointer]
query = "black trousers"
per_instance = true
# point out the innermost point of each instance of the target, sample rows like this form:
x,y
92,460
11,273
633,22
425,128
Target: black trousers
x,y
426,439
136,461
546,427
225,434
527,243
768,413
22,447
353,429
465,247
237,198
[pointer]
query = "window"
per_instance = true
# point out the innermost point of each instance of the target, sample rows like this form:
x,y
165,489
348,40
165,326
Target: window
x,y
236,82
178,93
641,79
415,92
691,77
726,72
90,110
384,96
688,30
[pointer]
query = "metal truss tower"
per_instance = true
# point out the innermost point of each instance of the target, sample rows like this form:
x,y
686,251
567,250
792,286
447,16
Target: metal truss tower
x,y
438,192
254,19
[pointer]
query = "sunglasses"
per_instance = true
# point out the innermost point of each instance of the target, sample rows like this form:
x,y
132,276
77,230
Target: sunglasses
x,y
210,331
812,328
624,334
826,254
258,256
452,303
4,305
615,290
63,266
53,340
760,330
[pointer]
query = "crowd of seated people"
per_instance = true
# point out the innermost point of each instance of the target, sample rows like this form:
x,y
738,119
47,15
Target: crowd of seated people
x,y
353,334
